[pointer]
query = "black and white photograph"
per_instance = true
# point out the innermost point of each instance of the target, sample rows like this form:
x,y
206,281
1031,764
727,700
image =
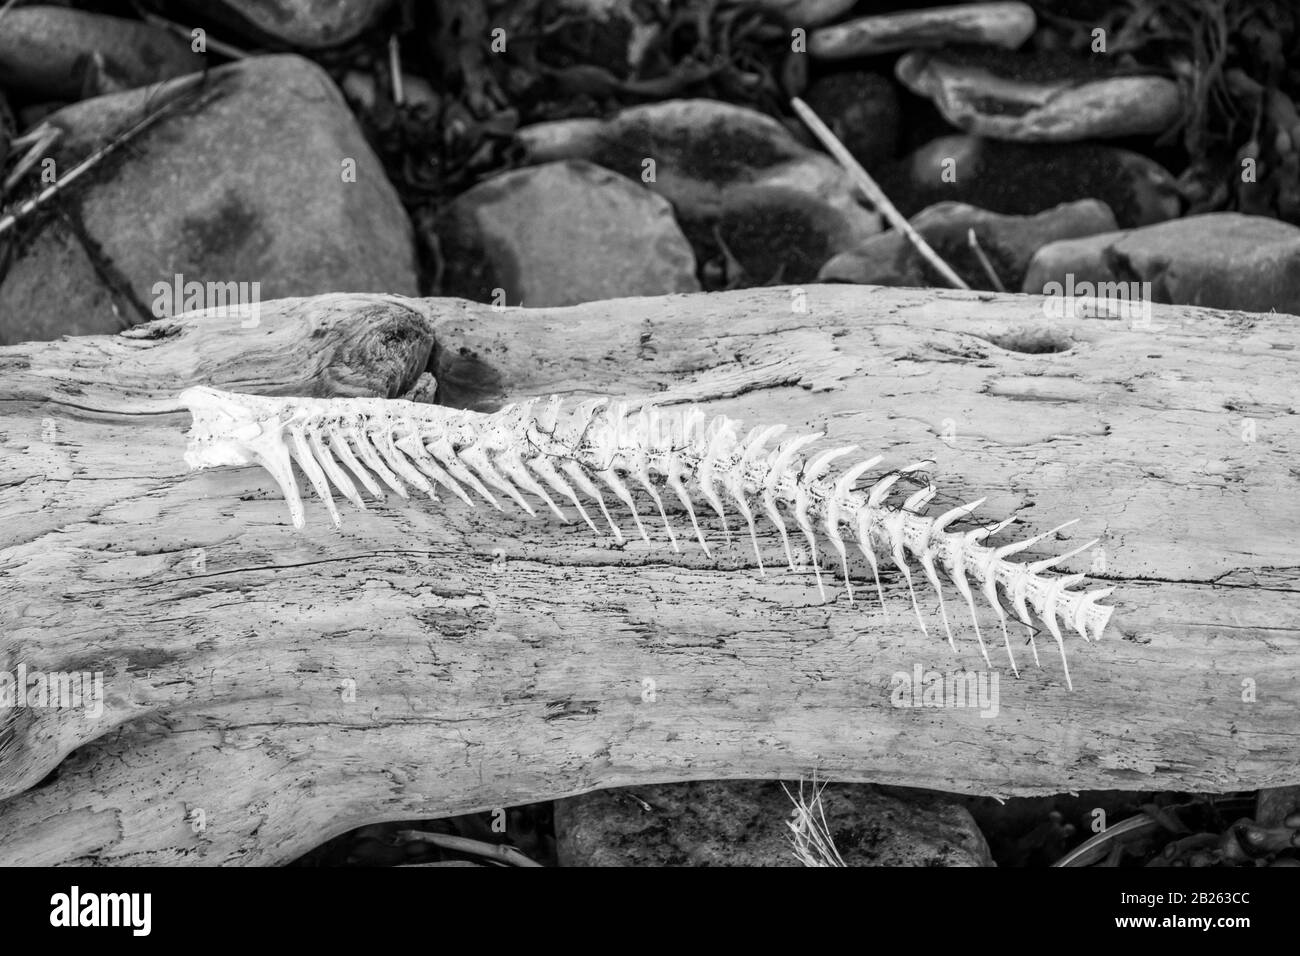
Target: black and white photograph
x,y
651,434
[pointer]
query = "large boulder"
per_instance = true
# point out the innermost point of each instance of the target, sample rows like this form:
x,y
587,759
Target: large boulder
x,y
261,177
561,234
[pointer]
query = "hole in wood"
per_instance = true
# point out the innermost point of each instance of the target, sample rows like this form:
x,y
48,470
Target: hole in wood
x,y
1032,340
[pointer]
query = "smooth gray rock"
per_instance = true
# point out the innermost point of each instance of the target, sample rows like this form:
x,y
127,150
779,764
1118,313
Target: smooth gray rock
x,y
560,234
1224,260
1005,25
62,54
242,184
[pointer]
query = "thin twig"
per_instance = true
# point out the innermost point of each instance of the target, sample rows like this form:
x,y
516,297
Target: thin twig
x,y
1096,847
644,806
873,192
395,70
210,43
27,207
41,139
974,242
6,8
492,851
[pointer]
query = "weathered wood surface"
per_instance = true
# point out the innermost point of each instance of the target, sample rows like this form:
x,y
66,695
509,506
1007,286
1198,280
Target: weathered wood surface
x,y
499,659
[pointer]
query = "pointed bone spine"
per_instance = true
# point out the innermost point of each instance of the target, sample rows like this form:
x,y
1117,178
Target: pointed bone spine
x,y
596,441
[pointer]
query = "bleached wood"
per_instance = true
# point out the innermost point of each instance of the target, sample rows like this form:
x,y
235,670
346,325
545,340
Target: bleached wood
x,y
499,659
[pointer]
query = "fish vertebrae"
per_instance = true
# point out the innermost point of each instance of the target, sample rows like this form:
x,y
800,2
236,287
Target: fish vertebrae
x,y
536,449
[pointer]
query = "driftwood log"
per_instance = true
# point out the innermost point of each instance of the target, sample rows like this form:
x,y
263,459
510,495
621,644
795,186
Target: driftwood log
x,y
267,689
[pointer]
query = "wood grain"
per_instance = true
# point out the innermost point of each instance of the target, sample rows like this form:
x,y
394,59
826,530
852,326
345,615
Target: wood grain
x,y
497,659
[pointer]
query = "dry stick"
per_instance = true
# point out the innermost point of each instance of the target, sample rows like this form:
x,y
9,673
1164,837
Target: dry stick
x,y
33,135
1097,847
492,851
974,242
873,192
395,70
210,44
41,139
30,205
